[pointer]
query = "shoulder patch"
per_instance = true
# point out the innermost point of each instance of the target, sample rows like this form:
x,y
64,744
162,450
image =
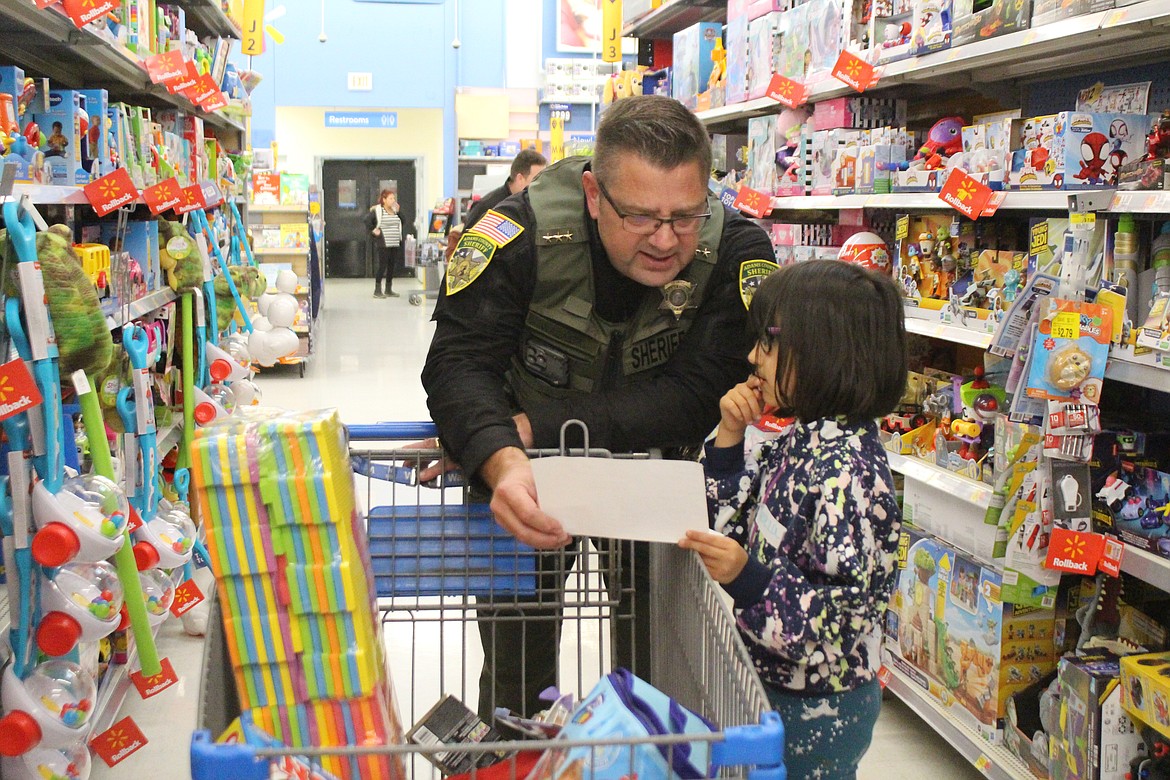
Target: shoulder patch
x,y
751,275
497,228
471,256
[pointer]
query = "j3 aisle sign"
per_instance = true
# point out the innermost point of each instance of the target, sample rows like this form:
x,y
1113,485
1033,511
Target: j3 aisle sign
x,y
376,119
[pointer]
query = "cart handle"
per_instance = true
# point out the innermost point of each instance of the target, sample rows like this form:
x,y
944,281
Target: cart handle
x,y
392,430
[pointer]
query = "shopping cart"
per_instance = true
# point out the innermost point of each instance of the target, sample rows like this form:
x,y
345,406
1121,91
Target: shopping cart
x,y
445,574
427,255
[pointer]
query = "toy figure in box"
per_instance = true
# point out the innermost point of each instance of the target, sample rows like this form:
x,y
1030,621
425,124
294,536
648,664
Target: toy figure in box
x,y
981,402
932,26
950,632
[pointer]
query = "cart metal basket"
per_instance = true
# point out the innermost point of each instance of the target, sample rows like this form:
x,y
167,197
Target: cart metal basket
x,y
445,574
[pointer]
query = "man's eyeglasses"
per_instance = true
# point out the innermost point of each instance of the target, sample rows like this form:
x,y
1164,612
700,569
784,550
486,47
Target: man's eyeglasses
x,y
646,225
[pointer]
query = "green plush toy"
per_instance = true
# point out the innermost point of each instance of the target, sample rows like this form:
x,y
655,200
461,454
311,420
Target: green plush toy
x,y
179,256
249,282
83,337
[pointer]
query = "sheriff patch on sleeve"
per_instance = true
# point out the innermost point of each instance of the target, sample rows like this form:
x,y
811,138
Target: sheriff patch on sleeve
x,y
471,256
499,229
751,275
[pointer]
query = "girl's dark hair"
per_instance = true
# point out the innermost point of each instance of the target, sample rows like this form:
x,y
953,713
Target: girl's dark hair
x,y
840,332
382,195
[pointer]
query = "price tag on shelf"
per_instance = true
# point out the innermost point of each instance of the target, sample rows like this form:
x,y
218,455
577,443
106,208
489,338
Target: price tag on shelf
x,y
82,12
184,82
162,196
983,763
153,686
965,195
852,71
192,199
1087,218
20,391
187,597
787,92
118,742
166,67
1030,37
111,192
993,203
753,203
1114,18
1066,325
1110,562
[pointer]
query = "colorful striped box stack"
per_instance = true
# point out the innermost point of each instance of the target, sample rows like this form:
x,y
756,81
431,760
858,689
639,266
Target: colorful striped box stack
x,y
289,553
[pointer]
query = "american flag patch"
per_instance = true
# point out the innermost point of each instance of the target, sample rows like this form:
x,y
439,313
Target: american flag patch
x,y
497,227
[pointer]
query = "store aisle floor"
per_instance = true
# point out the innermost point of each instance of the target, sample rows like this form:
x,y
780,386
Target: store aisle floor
x,y
369,354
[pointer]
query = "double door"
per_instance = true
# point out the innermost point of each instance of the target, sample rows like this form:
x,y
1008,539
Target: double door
x,y
350,188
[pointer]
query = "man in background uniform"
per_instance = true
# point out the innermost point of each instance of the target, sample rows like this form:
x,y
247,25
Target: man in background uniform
x,y
525,166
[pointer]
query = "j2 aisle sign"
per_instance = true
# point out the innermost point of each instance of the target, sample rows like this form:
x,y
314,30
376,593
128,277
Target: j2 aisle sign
x,y
382,119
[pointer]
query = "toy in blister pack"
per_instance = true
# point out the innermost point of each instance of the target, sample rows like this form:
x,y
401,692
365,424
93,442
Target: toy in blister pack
x,y
1069,354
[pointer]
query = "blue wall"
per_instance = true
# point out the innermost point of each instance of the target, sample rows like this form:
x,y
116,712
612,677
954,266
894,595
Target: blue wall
x,y
407,46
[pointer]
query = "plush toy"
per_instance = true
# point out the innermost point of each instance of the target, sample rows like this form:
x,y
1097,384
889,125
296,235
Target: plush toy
x,y
83,338
944,140
249,282
719,69
622,84
179,256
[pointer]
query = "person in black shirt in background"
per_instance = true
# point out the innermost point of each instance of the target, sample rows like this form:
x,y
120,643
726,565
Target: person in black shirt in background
x,y
613,291
525,166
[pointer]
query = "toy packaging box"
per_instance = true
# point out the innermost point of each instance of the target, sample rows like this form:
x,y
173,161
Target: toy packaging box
x,y
931,26
825,145
859,113
948,630
1098,738
757,8
1002,16
812,36
844,169
692,60
763,53
737,50
61,127
1077,150
1127,504
1145,689
794,175
987,150
11,84
761,172
893,30
95,146
1048,11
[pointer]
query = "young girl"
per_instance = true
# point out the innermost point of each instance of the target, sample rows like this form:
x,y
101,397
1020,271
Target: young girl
x,y
808,520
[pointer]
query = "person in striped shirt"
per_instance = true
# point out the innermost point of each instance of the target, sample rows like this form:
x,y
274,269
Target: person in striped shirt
x,y
388,240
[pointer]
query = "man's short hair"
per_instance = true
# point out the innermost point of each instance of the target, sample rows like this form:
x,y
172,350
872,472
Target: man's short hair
x,y
660,130
523,162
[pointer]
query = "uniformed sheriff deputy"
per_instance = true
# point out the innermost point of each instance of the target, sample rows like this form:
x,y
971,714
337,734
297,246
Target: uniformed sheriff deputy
x,y
612,291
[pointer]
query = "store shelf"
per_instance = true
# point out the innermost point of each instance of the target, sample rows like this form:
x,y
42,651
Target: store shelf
x,y
1099,38
994,761
280,251
1146,567
939,330
169,436
485,159
47,194
1143,370
962,488
666,20
1031,201
140,307
46,43
207,17
273,208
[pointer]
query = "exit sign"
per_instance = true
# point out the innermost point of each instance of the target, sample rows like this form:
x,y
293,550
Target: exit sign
x,y
360,82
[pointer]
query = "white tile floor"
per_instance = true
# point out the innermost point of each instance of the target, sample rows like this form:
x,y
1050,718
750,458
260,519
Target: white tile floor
x,y
368,356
